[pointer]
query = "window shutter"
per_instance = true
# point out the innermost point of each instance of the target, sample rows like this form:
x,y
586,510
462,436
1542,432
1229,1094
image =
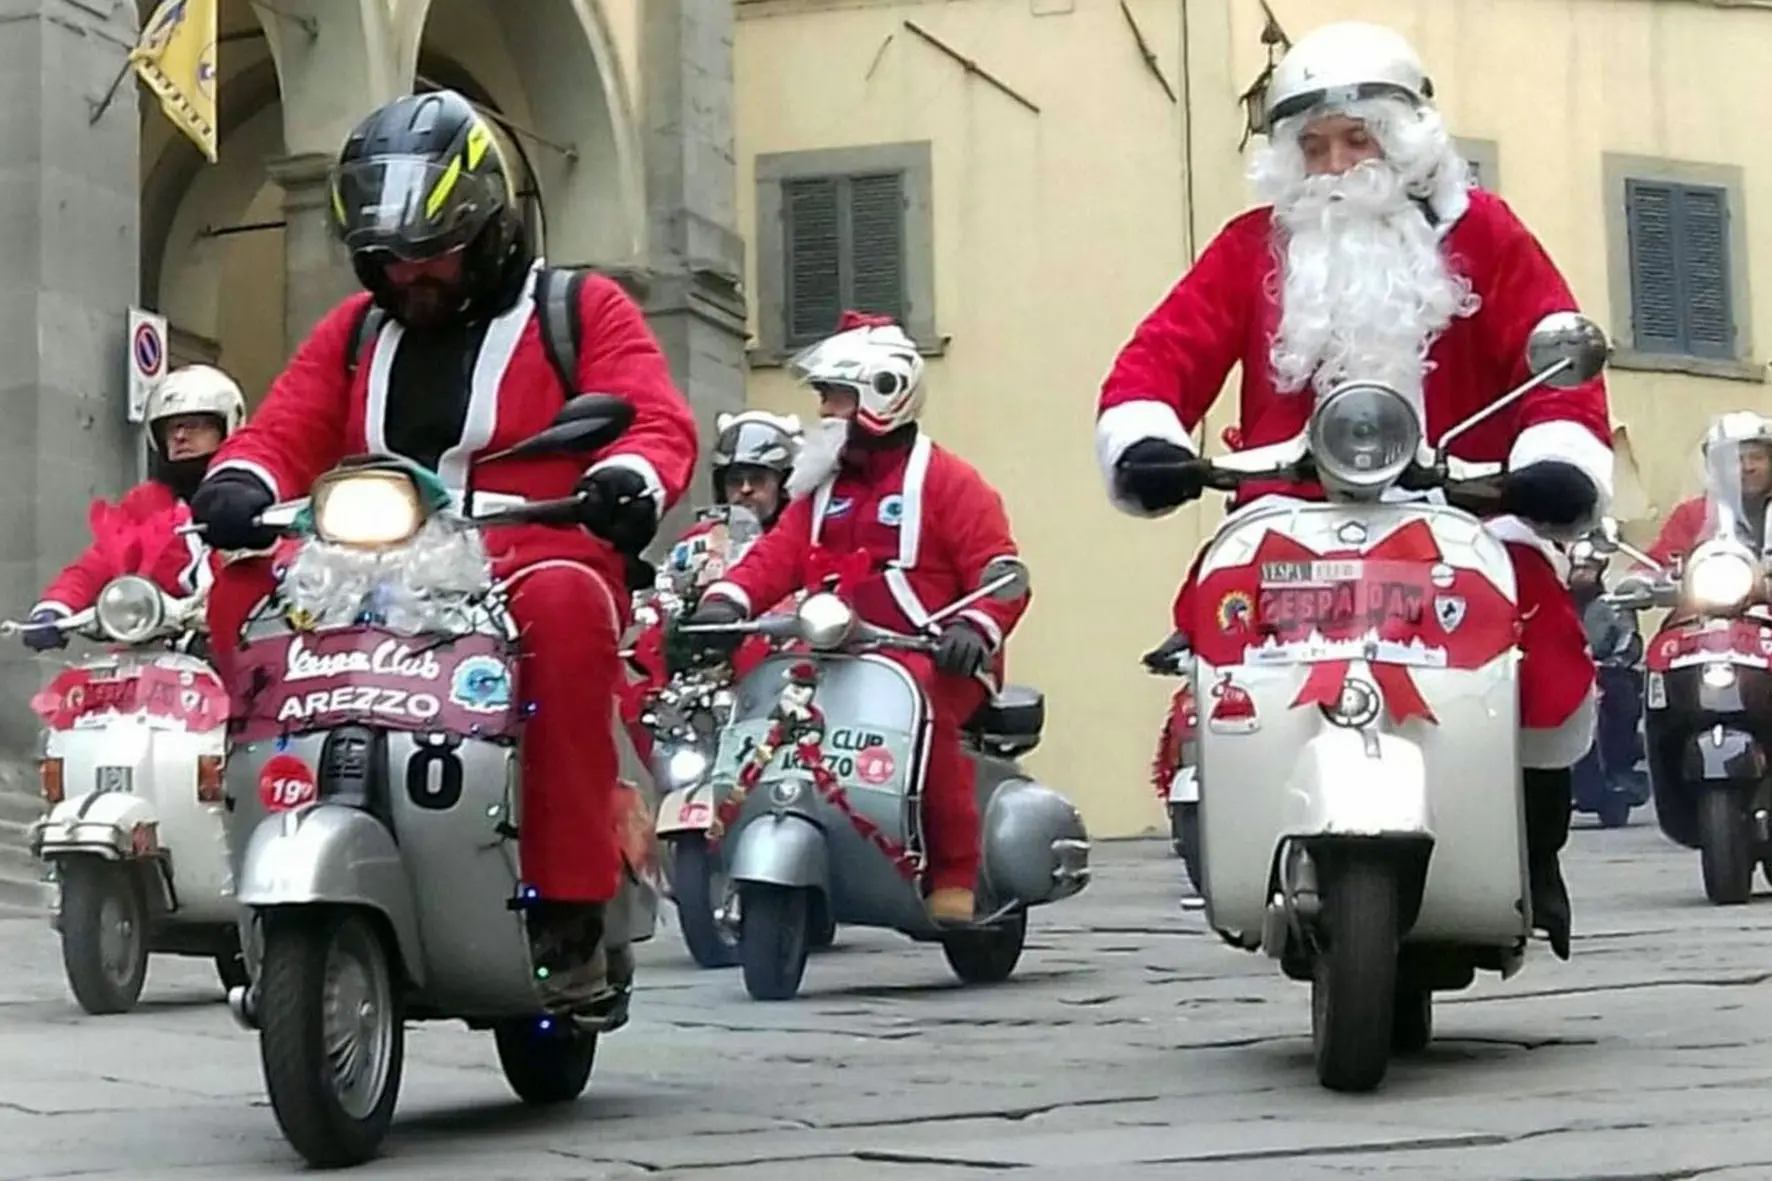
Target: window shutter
x,y
876,244
812,236
1704,272
1650,212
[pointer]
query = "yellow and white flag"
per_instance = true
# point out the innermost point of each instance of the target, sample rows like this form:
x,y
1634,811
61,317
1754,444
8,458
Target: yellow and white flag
x,y
176,58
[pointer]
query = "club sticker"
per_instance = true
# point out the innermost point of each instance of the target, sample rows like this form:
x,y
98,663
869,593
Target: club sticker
x,y
874,765
1233,710
481,684
892,511
285,782
1234,609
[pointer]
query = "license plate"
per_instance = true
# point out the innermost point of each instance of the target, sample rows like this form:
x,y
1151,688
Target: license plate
x,y
118,779
1185,787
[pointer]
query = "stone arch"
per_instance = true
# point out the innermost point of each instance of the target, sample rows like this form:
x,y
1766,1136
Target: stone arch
x,y
592,197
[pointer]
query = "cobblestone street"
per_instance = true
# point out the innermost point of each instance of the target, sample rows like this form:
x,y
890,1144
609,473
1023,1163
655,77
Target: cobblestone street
x,y
1131,1044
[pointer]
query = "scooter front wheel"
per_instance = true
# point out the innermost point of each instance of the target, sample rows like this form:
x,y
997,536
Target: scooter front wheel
x,y
332,1038
1725,848
774,924
1354,981
104,923
545,1065
700,890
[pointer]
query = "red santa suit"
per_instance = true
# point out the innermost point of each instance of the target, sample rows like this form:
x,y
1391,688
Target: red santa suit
x,y
137,535
1226,311
1681,531
568,593
930,523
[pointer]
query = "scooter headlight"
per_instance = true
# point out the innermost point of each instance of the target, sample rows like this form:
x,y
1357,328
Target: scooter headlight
x,y
1720,576
825,620
372,509
130,609
1363,435
685,766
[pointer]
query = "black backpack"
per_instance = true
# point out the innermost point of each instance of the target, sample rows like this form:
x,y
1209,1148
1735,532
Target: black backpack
x,y
556,297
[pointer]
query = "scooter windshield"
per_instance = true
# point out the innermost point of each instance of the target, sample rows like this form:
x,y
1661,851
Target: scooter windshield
x,y
1737,482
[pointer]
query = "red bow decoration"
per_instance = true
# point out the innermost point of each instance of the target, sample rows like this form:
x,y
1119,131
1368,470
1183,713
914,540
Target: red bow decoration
x,y
853,319
839,574
1402,593
135,545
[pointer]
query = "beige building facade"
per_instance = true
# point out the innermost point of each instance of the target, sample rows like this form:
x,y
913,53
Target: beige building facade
x,y
1021,180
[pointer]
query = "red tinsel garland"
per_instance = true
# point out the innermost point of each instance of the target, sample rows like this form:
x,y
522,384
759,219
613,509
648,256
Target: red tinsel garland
x,y
802,725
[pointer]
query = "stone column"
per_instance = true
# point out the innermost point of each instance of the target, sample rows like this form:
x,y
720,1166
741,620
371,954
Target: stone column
x,y
316,270
69,200
695,253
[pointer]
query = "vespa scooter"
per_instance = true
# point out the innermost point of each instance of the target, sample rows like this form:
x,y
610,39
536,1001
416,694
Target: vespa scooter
x,y
1358,685
1707,688
373,791
819,780
131,770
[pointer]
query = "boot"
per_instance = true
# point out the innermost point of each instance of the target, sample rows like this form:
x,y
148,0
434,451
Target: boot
x,y
951,906
566,945
1549,802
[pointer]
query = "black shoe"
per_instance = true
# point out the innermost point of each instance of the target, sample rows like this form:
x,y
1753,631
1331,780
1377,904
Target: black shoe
x,y
566,946
1549,803
1550,903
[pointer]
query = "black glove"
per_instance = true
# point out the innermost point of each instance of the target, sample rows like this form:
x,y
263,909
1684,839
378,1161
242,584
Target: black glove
x,y
961,650
715,609
618,508
1157,488
1549,492
43,638
1161,659
226,505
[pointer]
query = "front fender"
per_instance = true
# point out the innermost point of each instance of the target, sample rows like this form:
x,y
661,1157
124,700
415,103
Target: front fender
x,y
688,809
1722,755
1338,789
332,855
785,850
101,822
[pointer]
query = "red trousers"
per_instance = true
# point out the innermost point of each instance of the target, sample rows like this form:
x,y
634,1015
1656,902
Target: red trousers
x,y
950,786
570,624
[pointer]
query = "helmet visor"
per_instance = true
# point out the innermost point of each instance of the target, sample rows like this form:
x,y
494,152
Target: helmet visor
x,y
411,207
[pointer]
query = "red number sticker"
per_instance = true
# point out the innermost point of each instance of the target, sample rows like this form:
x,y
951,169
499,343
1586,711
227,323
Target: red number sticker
x,y
285,783
694,812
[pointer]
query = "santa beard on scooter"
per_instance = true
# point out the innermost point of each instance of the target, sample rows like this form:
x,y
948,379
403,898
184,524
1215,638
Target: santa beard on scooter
x,y
820,454
1365,291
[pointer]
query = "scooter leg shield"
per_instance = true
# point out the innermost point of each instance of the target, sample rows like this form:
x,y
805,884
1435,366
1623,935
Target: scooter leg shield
x,y
332,855
1338,788
1720,755
781,851
102,823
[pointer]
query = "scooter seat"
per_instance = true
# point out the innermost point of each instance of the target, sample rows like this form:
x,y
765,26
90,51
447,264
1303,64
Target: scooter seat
x,y
1015,716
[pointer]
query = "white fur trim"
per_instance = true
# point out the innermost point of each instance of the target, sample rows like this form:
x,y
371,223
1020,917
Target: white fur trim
x,y
905,595
1561,746
1568,442
252,469
729,590
821,503
1449,208
910,527
987,627
1119,427
191,577
61,609
1519,532
641,467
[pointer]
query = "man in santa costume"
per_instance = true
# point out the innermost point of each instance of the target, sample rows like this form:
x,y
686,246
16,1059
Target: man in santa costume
x,y
188,416
1374,258
461,365
869,480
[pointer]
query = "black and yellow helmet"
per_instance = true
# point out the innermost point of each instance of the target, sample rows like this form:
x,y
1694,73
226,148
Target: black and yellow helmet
x,y
423,176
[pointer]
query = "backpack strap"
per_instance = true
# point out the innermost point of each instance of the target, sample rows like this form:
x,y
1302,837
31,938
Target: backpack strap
x,y
557,292
369,325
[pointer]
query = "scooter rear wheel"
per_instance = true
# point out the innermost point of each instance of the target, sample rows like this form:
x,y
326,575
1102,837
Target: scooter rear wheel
x,y
332,1047
1354,982
545,1066
104,922
698,885
989,954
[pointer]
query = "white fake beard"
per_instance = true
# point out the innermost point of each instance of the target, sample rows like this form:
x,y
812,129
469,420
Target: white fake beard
x,y
820,453
1366,290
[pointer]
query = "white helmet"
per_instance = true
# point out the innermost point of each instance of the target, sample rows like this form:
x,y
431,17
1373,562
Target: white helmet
x,y
877,361
1738,426
1342,63
196,389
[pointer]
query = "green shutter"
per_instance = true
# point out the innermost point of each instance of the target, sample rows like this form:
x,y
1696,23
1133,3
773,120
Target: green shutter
x,y
813,240
1654,267
876,244
1704,272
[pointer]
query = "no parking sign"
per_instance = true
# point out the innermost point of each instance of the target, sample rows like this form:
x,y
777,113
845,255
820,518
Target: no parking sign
x,y
147,359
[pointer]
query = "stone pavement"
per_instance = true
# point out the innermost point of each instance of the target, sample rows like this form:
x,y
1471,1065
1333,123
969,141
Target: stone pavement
x,y
1132,1044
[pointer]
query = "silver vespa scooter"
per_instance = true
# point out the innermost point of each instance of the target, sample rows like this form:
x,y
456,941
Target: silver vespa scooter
x,y
796,862
373,800
1361,812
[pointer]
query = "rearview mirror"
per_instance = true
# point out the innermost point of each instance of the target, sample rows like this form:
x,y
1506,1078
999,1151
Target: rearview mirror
x,y
586,423
1567,337
1013,571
